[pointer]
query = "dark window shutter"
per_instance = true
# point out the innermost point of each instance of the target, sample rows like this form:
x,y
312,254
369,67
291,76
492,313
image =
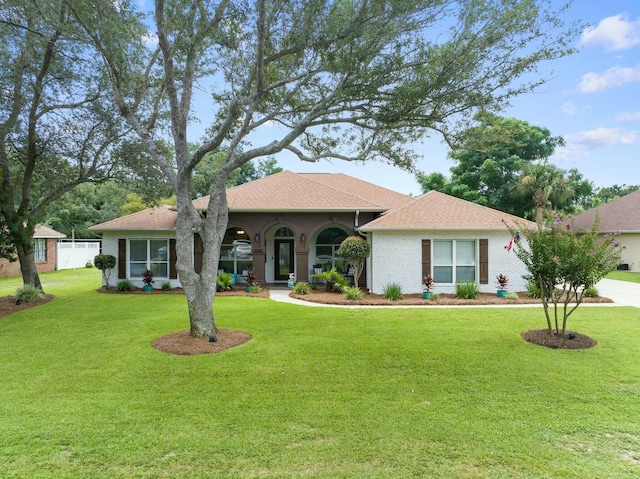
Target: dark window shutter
x,y
426,258
122,258
173,273
198,250
484,261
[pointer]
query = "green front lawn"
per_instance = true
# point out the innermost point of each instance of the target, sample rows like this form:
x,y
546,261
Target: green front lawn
x,y
624,276
317,393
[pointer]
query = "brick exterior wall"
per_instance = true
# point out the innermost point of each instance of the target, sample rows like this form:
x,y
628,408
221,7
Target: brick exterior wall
x,y
9,269
396,257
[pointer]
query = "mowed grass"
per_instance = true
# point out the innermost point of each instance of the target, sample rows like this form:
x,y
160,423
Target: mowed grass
x,y
317,392
630,276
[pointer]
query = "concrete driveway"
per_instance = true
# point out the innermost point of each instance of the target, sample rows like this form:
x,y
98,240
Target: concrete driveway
x,y
623,293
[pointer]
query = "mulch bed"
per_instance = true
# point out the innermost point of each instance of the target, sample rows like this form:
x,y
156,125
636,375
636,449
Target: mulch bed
x,y
182,343
572,340
8,304
325,297
238,291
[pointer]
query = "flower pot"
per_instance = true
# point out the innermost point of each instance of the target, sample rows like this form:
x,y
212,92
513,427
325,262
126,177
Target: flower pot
x,y
426,294
147,287
502,293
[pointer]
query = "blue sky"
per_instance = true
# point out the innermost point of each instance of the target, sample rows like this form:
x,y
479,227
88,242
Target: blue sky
x,y
592,100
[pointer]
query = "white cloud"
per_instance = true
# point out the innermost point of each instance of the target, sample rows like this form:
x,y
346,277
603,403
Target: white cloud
x,y
614,33
628,116
578,145
613,77
569,109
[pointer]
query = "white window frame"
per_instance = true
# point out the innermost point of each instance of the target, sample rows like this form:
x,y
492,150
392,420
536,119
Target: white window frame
x,y
40,250
453,262
149,261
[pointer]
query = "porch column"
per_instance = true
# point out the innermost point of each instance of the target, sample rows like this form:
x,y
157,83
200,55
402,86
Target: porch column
x,y
302,266
258,263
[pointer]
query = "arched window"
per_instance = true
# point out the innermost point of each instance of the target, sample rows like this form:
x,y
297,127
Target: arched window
x,y
284,232
327,245
235,255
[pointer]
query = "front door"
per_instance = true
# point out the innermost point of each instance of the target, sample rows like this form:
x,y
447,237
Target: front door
x,y
283,259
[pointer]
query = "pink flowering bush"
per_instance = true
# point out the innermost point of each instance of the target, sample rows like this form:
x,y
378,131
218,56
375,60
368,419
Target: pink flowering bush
x,y
564,263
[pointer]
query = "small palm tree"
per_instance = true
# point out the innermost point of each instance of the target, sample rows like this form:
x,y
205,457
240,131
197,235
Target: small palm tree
x,y
544,184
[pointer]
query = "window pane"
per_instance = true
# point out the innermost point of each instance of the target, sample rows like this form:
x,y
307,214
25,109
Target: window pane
x,y
158,250
465,252
159,270
284,233
443,274
443,252
136,269
138,250
465,273
331,236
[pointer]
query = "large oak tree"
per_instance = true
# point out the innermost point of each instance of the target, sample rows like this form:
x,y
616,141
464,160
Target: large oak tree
x,y
57,123
343,79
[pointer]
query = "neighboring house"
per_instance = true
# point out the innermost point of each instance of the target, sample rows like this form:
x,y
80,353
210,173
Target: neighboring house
x,y
44,252
294,223
622,216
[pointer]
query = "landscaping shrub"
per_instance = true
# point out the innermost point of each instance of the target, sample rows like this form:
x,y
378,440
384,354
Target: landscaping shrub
x,y
434,296
467,289
166,286
224,282
533,290
89,264
301,287
512,295
124,285
28,294
105,263
350,292
393,292
591,292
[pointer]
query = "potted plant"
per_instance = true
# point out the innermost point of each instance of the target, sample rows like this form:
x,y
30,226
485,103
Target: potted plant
x,y
502,281
427,284
251,279
147,279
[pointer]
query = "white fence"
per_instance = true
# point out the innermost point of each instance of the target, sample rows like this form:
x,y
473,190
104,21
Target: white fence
x,y
76,254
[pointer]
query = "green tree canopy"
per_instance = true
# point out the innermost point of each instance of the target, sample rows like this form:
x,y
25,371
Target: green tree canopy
x,y
502,163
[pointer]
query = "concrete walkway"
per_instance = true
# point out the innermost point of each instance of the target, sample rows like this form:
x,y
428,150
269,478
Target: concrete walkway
x,y
623,293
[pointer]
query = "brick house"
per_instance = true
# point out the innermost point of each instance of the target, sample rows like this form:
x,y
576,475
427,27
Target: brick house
x,y
294,223
44,250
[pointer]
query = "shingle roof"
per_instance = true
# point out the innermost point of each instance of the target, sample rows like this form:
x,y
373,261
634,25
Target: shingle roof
x,y
46,232
621,214
288,191
435,210
161,217
284,191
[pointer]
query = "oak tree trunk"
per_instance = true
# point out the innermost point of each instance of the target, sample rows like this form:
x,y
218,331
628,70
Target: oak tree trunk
x,y
28,265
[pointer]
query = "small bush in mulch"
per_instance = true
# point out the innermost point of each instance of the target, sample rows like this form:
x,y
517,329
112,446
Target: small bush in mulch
x,y
571,340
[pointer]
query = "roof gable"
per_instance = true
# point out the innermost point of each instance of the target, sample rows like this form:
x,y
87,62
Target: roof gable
x,y
161,217
41,231
288,191
621,214
435,210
